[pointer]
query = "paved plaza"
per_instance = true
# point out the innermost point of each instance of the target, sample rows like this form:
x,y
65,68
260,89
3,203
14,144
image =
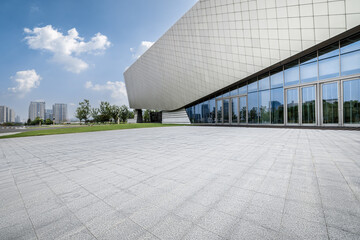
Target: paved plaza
x,y
182,183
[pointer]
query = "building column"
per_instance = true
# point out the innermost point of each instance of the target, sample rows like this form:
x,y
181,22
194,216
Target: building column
x,y
138,115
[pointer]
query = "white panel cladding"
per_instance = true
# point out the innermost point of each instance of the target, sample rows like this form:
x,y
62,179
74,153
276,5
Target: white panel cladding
x,y
219,42
175,117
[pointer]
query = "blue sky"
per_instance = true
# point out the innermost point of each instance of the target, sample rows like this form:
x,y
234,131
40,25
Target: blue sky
x,y
63,51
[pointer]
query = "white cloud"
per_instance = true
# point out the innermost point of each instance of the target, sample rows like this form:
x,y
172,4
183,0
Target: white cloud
x,y
137,52
117,89
66,49
25,80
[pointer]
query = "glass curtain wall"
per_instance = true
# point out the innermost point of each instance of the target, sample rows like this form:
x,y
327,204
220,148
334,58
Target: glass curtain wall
x,y
330,103
242,109
351,103
292,96
308,105
262,99
234,110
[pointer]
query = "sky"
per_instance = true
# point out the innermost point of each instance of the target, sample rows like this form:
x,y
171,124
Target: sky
x,y
64,51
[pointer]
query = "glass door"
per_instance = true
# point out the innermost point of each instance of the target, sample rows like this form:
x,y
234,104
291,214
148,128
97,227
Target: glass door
x,y
219,107
242,110
226,114
292,106
330,103
308,102
234,111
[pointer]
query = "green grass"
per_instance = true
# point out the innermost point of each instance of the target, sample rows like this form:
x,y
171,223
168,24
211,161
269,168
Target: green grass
x,y
82,129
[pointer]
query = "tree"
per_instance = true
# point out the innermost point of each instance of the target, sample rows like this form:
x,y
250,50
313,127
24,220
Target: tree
x,y
146,116
131,114
105,111
124,113
29,121
37,121
95,114
115,113
48,121
83,111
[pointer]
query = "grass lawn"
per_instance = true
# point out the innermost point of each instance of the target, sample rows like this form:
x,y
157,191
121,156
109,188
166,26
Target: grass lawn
x,y
82,129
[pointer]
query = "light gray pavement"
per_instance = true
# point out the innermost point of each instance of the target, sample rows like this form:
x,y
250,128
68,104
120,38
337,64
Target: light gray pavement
x,y
182,183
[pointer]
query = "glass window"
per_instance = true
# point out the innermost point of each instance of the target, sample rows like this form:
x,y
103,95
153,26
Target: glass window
x,y
264,82
190,114
252,87
205,113
212,110
234,92
277,106
197,116
243,90
226,94
264,106
226,110
350,55
308,68
242,108
329,62
292,73
352,101
292,105
219,111
253,107
308,105
330,103
277,78
234,110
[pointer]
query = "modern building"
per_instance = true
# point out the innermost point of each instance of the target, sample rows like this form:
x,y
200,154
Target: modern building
x,y
49,114
17,119
255,62
7,115
60,112
36,109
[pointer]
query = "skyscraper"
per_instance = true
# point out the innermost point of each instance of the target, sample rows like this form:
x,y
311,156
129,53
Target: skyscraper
x,y
6,114
49,114
36,109
60,112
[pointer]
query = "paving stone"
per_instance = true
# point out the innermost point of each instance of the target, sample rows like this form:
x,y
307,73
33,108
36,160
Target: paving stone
x,y
182,183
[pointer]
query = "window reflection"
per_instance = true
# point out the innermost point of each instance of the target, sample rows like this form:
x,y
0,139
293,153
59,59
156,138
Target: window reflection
x,y
350,55
212,111
292,73
329,62
253,107
264,106
277,106
292,106
308,68
242,110
352,101
252,87
264,82
205,112
243,90
234,92
330,103
277,78
219,111
234,110
226,110
308,105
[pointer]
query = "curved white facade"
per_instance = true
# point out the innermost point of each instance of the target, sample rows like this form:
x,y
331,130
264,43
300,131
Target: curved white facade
x,y
219,42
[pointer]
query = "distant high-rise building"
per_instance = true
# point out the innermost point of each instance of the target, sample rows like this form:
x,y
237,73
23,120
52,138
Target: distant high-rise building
x,y
3,113
6,114
17,119
36,109
49,114
60,112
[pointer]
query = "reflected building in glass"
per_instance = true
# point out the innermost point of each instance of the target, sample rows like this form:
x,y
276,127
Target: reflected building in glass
x,y
255,62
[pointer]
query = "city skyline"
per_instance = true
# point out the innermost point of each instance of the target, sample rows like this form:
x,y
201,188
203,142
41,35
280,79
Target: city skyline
x,y
86,57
